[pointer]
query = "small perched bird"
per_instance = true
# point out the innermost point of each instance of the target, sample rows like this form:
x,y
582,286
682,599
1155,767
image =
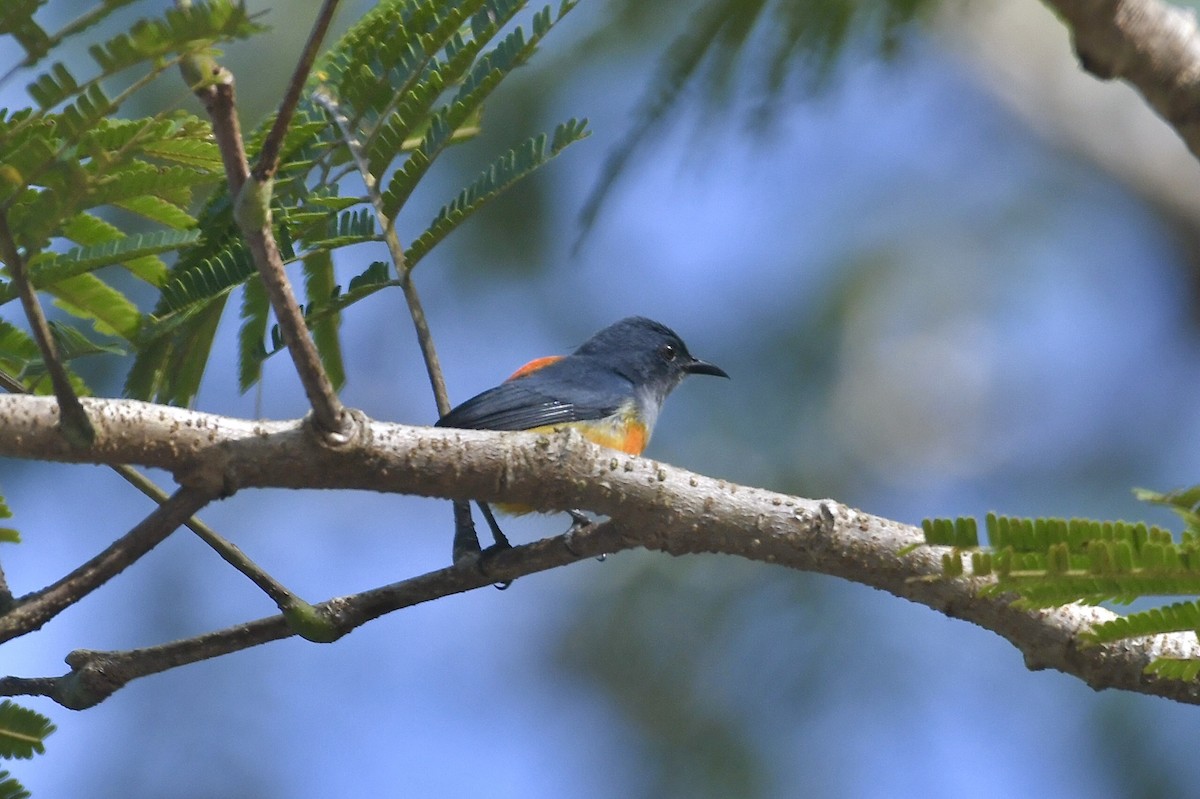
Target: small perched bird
x,y
611,390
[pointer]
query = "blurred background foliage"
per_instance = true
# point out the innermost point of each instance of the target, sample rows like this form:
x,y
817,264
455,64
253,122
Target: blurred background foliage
x,y
947,272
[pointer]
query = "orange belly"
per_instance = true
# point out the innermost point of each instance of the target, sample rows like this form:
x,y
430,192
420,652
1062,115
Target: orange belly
x,y
621,433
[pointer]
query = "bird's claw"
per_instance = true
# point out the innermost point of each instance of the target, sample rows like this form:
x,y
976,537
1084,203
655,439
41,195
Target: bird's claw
x,y
580,521
488,554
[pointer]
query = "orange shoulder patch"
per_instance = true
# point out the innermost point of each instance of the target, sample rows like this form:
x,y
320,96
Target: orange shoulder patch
x,y
534,365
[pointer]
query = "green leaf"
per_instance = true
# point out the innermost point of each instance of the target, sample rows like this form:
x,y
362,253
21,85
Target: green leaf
x,y
320,289
508,169
412,102
212,277
93,16
191,354
170,363
1185,502
197,153
484,77
352,227
22,731
961,532
1179,617
7,534
158,210
51,88
251,350
375,277
49,269
16,20
88,297
390,50
193,28
11,789
1185,669
17,349
86,229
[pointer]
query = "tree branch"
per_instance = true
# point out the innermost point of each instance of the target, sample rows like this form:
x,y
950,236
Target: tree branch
x,y
75,425
268,157
652,505
95,676
1148,43
31,611
214,86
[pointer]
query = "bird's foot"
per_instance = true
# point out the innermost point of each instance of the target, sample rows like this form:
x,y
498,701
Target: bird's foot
x,y
580,521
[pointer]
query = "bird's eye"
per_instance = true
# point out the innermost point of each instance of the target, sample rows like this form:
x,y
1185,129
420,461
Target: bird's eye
x,y
669,352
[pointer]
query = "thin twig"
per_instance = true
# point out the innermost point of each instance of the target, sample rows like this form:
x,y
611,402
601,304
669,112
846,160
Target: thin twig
x,y
284,599
95,676
31,611
73,421
466,541
268,157
433,366
214,86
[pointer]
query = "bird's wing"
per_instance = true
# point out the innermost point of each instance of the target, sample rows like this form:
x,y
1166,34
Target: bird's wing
x,y
535,400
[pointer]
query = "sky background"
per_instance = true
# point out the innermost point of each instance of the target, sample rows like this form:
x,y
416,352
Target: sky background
x,y
926,310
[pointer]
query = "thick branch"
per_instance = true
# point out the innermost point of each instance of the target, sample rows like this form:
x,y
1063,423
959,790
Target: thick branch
x,y
657,506
1150,44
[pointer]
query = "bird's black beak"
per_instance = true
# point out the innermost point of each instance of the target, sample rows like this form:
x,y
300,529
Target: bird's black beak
x,y
699,367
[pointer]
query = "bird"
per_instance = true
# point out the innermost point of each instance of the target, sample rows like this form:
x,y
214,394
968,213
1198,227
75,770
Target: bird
x,y
611,389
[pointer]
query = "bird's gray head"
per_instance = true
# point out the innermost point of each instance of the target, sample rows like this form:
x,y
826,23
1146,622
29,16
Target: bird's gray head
x,y
648,354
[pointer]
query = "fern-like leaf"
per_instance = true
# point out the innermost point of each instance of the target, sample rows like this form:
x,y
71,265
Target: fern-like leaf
x,y
319,287
374,278
412,101
89,297
961,532
507,170
1186,669
1185,502
351,227
22,731
1179,617
48,269
251,352
209,279
16,20
484,77
7,534
190,28
88,230
390,50
17,349
11,789
1040,591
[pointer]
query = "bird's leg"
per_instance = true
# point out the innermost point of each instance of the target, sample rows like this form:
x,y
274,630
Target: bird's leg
x,y
466,542
498,537
500,542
